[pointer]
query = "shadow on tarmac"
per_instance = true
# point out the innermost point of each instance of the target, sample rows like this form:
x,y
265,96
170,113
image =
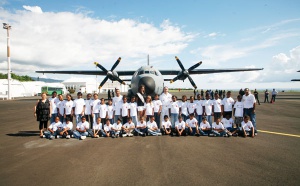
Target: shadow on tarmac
x,y
25,134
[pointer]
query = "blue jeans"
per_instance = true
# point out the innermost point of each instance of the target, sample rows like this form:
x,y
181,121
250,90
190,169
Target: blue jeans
x,y
79,134
134,120
184,117
153,132
111,133
219,133
187,131
48,134
204,132
91,132
78,118
116,119
174,118
53,116
249,112
209,119
96,115
199,119
157,119
61,118
141,131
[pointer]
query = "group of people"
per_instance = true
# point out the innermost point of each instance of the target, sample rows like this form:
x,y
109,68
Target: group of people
x,y
164,115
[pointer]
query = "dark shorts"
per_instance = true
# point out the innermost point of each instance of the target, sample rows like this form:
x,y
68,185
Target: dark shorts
x,y
227,113
217,115
238,121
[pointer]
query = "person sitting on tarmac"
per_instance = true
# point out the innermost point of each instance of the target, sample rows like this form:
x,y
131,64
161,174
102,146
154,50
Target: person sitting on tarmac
x,y
218,128
117,128
179,127
247,128
166,126
52,129
128,128
66,129
141,127
96,132
108,130
204,128
191,127
82,127
152,127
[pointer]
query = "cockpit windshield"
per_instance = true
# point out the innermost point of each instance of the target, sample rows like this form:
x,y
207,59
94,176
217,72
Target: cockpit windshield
x,y
147,72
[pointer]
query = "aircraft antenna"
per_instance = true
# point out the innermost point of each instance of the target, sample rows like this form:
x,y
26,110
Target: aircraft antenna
x,y
148,60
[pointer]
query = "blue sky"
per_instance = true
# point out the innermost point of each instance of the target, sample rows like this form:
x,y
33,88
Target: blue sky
x,y
223,34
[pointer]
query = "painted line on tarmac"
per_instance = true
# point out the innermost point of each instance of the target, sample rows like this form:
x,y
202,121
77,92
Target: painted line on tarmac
x,y
279,133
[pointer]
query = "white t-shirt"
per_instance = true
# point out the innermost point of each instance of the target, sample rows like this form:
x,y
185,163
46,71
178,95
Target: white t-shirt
x,y
151,125
110,111
228,103
97,126
54,126
117,126
174,107
139,124
192,122
95,106
61,106
166,124
180,125
227,123
191,107
108,127
248,101
88,107
184,107
217,105
83,126
205,125
247,126
117,108
149,108
53,102
157,104
165,100
125,107
69,125
208,106
239,109
68,107
129,125
116,100
199,107
78,104
219,126
133,109
102,110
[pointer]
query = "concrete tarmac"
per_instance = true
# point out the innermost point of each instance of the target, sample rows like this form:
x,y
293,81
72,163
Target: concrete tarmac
x,y
267,159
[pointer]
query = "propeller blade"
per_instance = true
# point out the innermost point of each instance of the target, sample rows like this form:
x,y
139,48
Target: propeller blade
x,y
116,64
192,82
195,66
103,82
120,80
174,79
101,67
179,63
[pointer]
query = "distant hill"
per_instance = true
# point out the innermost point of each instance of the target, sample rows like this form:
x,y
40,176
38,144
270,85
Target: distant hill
x,y
17,77
47,80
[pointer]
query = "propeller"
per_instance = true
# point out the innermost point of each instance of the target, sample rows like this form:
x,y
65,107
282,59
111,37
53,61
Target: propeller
x,y
185,72
110,74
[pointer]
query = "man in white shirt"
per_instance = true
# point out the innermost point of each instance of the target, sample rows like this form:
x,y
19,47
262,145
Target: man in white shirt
x,y
141,127
88,109
65,130
96,132
249,107
128,128
152,127
165,99
52,129
207,108
274,94
228,103
191,127
204,128
82,127
157,109
179,127
53,101
78,107
60,108
217,107
238,111
117,128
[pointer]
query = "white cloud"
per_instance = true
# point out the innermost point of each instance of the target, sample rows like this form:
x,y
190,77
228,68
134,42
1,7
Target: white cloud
x,y
60,40
35,9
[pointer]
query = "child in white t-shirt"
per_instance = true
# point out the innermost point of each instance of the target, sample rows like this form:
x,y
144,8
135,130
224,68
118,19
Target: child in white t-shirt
x,y
247,128
207,108
82,127
183,108
216,107
141,127
133,110
157,109
238,111
128,128
179,127
174,110
102,110
125,109
117,128
108,130
110,111
52,129
218,128
228,123
204,128
152,127
97,129
149,108
66,129
199,108
166,126
191,127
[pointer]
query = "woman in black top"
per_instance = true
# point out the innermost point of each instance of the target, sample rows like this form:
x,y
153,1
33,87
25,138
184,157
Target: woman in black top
x,y
42,112
140,100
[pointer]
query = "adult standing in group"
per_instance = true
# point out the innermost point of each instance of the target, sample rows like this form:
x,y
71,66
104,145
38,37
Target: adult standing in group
x,y
42,112
266,96
249,107
241,92
165,99
256,96
116,102
140,100
274,94
53,101
228,104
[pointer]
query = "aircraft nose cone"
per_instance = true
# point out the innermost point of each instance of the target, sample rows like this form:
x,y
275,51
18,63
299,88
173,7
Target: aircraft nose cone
x,y
149,84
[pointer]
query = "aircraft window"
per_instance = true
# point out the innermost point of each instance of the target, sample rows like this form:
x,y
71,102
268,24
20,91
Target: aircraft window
x,y
141,72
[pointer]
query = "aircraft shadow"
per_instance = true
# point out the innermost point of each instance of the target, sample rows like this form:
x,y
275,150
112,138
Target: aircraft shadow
x,y
25,134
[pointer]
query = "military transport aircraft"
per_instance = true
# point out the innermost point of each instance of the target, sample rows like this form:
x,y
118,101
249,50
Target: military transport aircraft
x,y
149,76
296,79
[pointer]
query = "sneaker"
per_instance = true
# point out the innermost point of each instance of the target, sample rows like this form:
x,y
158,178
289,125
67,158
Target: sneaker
x,y
255,134
68,137
43,136
113,136
144,135
97,136
82,137
57,137
225,135
130,135
51,137
117,135
211,135
72,136
124,135
158,134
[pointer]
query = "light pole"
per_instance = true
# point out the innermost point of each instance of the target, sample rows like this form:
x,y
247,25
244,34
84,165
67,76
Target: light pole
x,y
8,27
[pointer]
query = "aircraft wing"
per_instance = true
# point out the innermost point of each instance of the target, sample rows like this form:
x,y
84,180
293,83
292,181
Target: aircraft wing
x,y
209,71
87,72
295,80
